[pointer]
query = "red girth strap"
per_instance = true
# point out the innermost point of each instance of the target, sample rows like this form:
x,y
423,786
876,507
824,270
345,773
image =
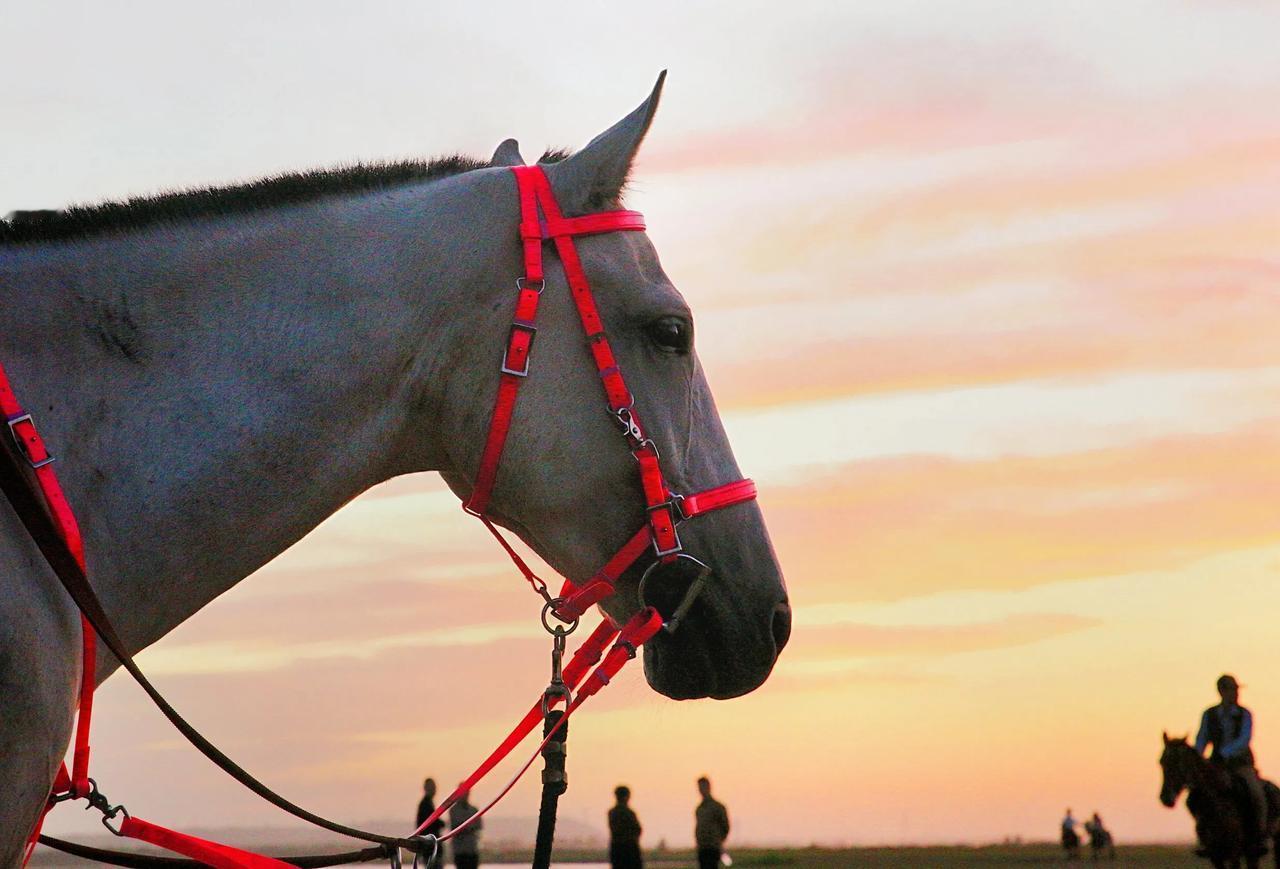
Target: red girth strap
x,y
31,446
76,784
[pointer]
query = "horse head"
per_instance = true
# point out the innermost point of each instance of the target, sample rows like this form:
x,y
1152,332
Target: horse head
x,y
568,484
1177,765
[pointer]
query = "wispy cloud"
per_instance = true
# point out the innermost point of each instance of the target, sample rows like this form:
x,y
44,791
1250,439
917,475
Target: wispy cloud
x,y
905,526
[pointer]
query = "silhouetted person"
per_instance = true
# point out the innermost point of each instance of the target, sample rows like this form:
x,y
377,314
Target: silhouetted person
x,y
427,806
711,827
1229,727
1070,838
624,832
466,844
1099,838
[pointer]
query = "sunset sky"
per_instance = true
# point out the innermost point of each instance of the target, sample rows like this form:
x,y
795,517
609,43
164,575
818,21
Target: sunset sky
x,y
987,294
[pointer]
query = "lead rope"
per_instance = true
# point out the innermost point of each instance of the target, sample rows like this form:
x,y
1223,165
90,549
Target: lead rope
x,y
555,778
554,783
638,630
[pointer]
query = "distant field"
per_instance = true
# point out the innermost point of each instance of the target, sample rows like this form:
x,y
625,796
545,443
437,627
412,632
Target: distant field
x,y
1165,856
1169,856
1133,857
1146,856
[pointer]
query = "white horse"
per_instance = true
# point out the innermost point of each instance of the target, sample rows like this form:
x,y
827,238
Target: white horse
x,y
218,371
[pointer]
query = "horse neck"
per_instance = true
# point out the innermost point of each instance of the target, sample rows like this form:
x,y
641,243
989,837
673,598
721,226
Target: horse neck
x,y
213,392
1201,774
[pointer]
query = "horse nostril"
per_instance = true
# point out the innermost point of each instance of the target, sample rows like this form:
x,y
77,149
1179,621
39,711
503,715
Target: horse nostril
x,y
781,626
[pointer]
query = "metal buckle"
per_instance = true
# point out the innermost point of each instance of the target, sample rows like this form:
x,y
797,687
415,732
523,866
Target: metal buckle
x,y
675,502
567,627
561,690
98,800
525,284
13,421
429,862
647,442
532,331
630,428
675,531
674,550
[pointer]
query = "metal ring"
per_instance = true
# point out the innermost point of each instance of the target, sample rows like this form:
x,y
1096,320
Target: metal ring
x,y
561,690
417,853
672,620
550,607
109,815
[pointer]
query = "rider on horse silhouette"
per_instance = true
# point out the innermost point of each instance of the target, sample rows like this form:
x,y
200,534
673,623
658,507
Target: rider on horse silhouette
x,y
1229,726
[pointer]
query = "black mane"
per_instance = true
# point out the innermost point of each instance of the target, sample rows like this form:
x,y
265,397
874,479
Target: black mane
x,y
80,221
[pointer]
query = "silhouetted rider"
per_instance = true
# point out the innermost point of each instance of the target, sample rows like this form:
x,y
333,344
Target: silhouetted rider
x,y
1228,727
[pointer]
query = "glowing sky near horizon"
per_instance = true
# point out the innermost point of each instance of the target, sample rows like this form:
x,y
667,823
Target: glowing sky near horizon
x,y
988,297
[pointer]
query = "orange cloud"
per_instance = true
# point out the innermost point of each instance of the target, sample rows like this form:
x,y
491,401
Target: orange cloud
x,y
899,527
854,640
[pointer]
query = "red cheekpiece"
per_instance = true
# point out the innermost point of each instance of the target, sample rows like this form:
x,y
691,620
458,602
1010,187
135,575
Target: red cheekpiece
x,y
541,220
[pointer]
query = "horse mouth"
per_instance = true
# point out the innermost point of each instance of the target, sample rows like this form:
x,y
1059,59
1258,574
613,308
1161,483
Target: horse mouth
x,y
700,659
1168,801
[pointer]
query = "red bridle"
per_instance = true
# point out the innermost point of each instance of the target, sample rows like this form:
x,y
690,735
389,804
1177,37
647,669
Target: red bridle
x,y
541,221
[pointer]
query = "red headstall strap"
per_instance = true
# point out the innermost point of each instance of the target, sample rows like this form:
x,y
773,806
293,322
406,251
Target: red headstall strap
x,y
541,221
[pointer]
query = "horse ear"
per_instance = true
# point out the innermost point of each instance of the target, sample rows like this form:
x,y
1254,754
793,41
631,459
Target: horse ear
x,y
593,178
1165,734
507,154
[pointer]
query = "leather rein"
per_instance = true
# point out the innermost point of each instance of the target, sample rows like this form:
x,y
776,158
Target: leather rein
x,y
28,480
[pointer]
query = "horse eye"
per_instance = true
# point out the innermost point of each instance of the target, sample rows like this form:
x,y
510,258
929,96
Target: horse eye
x,y
671,334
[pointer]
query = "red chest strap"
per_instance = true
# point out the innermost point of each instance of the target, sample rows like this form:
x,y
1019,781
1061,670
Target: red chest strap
x,y
32,447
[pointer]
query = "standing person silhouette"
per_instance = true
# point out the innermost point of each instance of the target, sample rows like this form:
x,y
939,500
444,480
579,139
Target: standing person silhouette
x,y
466,844
711,827
624,832
427,806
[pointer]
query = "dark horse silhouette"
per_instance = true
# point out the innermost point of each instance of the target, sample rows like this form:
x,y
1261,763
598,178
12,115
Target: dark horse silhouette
x,y
1100,839
1071,842
1218,807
